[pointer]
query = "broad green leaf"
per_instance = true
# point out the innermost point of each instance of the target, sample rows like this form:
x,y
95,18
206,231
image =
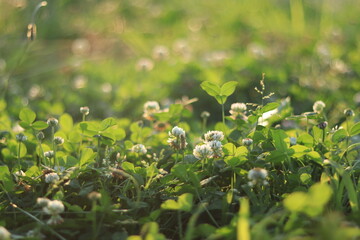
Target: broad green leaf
x,y
27,115
23,150
277,156
184,203
355,129
306,139
228,88
33,171
269,107
234,161
66,122
352,194
229,149
315,156
296,201
39,125
278,136
339,135
318,134
87,156
106,123
6,178
300,150
128,167
221,99
211,88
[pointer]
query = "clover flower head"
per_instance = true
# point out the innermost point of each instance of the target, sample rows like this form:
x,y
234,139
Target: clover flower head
x,y
205,114
293,141
52,122
150,108
42,202
214,135
51,177
216,147
177,132
247,141
54,207
84,110
58,140
49,154
4,233
139,148
203,151
21,137
318,106
257,176
237,108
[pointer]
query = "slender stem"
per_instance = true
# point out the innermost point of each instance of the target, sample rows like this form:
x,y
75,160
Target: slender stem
x,y
223,113
18,155
94,220
180,224
53,145
98,153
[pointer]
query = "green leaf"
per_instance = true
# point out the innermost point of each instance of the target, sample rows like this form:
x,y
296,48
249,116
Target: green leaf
x,y
296,201
184,203
339,135
66,122
278,136
211,88
228,88
269,107
306,140
355,129
106,123
39,125
221,99
87,156
6,178
353,198
128,167
27,115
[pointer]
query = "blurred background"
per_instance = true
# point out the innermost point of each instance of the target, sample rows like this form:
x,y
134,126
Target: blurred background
x,y
113,56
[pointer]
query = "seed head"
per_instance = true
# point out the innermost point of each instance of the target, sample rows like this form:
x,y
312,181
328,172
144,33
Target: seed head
x,y
318,106
145,65
160,52
85,110
31,31
94,196
205,114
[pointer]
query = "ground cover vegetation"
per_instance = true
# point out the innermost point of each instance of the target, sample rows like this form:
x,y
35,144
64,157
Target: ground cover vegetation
x,y
175,120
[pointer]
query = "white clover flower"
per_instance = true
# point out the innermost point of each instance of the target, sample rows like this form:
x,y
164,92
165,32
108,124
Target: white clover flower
x,y
84,110
177,132
54,207
247,141
177,139
214,135
319,106
42,202
203,152
237,108
4,233
58,140
21,137
51,177
216,147
139,148
257,176
49,154
151,106
52,122
18,174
